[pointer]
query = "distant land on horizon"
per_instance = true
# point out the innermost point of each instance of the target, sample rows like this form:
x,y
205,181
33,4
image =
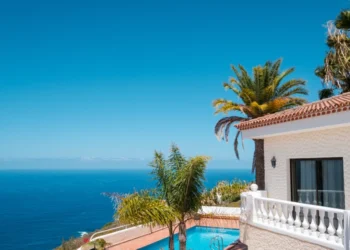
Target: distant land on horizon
x,y
102,163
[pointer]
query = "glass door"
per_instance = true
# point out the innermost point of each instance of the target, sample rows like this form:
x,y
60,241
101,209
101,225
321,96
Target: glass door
x,y
318,182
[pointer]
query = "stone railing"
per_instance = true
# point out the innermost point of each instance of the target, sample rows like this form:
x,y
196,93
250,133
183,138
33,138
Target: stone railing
x,y
316,224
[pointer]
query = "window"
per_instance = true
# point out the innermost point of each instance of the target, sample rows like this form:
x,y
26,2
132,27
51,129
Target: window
x,y
318,182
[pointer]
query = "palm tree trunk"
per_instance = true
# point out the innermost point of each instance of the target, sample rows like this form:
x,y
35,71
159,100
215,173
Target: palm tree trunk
x,y
259,163
182,235
171,236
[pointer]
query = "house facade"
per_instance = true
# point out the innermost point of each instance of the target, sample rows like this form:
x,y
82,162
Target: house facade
x,y
307,170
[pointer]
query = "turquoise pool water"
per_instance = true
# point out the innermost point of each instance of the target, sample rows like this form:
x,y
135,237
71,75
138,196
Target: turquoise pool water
x,y
198,238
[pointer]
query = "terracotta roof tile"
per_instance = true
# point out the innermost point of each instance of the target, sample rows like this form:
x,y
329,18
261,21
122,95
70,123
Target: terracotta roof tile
x,y
323,107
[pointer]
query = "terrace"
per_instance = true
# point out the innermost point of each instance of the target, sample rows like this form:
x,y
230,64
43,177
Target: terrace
x,y
308,224
214,220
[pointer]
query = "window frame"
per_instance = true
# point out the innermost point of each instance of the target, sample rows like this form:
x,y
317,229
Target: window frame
x,y
318,160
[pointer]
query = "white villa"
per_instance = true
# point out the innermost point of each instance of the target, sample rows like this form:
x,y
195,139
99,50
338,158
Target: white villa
x,y
306,204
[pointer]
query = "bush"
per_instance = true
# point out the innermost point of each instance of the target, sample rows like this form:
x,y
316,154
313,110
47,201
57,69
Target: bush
x,y
99,244
71,244
75,243
229,192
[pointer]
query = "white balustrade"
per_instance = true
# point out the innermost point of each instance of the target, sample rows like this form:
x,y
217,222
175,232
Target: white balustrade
x,y
317,224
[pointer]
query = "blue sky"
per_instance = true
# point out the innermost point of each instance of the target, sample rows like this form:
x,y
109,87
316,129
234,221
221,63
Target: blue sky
x,y
116,79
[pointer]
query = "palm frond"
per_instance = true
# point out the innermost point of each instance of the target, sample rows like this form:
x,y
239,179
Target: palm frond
x,y
284,88
278,80
176,159
274,70
189,185
144,209
231,86
235,144
161,175
225,106
295,91
222,123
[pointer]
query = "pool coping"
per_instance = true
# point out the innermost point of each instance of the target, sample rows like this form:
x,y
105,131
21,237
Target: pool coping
x,y
187,229
161,234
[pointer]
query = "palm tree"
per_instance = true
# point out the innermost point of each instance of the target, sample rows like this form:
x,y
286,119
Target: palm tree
x,y
335,72
264,93
176,198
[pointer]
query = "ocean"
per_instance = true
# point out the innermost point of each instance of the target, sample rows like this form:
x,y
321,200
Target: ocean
x,y
39,208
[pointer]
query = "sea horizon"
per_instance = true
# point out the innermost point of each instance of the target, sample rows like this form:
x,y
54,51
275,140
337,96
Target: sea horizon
x,y
52,164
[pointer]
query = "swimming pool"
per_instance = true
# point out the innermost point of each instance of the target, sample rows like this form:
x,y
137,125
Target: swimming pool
x,y
198,238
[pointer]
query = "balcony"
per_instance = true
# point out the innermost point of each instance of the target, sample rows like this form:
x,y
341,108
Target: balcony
x,y
318,225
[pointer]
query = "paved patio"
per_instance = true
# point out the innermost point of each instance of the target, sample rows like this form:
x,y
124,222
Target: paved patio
x,y
163,233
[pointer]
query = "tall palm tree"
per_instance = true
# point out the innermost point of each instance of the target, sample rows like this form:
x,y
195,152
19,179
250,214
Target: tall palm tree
x,y
335,72
263,93
180,183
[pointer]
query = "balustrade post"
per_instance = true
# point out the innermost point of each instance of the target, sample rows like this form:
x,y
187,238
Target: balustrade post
x,y
321,226
258,211
314,196
283,217
347,230
306,221
270,206
334,204
297,221
325,195
313,225
331,229
251,204
290,217
307,201
277,215
340,231
264,212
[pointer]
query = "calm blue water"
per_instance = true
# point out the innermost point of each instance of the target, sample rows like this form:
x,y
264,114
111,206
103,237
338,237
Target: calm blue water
x,y
38,208
198,238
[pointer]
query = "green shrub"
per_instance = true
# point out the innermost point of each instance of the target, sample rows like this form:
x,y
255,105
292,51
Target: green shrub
x,y
71,244
230,193
99,244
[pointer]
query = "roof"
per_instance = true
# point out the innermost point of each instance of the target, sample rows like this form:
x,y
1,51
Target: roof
x,y
327,106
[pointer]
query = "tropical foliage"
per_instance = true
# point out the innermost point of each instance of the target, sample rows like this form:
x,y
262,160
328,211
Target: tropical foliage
x,y
99,244
176,198
266,91
71,244
335,73
224,193
74,243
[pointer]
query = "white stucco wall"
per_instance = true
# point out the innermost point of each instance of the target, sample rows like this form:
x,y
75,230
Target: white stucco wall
x,y
333,142
260,239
